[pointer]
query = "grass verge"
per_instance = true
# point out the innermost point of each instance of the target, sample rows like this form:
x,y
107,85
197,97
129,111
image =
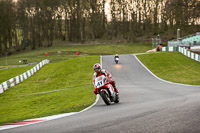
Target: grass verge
x,y
173,66
65,85
62,52
26,101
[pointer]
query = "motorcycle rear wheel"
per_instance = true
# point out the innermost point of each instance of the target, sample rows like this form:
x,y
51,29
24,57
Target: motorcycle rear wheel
x,y
105,97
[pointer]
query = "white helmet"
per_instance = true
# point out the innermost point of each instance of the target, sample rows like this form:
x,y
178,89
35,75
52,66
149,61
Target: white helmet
x,y
97,67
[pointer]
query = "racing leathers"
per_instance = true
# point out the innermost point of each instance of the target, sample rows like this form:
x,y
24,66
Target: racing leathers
x,y
106,74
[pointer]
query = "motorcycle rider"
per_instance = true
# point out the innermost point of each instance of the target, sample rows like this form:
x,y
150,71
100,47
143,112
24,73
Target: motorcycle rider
x,y
99,72
116,56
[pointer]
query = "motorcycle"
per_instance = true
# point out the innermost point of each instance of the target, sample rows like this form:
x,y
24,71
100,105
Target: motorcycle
x,y
116,60
106,90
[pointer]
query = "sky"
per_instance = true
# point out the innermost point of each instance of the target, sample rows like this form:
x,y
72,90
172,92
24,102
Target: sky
x,y
107,9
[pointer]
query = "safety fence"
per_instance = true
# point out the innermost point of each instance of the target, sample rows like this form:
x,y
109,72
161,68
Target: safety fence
x,y
190,40
18,79
184,51
170,49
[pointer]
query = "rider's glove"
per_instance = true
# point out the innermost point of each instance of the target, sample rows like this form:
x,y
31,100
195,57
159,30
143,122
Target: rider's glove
x,y
108,80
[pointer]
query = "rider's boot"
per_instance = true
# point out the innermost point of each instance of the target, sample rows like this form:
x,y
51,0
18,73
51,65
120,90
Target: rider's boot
x,y
117,93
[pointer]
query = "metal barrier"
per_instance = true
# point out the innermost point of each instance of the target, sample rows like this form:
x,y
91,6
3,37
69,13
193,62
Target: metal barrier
x,y
184,51
18,79
191,40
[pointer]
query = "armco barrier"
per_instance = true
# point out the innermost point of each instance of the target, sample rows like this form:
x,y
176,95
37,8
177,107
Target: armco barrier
x,y
18,79
184,51
170,49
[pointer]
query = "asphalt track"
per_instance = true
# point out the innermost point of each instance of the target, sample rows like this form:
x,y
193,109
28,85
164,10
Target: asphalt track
x,y
147,105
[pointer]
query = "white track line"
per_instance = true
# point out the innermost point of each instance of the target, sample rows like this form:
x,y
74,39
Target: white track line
x,y
101,61
48,118
160,78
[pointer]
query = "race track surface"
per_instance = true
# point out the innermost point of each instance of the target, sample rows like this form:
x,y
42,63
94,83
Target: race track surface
x,y
147,105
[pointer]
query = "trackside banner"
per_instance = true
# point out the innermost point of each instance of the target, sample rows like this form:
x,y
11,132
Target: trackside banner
x,y
18,79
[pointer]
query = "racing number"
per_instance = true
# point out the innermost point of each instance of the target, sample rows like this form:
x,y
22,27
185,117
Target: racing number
x,y
100,83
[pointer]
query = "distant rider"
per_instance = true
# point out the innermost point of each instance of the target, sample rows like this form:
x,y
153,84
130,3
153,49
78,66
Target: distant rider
x,y
99,72
116,56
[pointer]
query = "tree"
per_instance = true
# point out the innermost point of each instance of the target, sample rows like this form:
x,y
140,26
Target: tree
x,y
7,25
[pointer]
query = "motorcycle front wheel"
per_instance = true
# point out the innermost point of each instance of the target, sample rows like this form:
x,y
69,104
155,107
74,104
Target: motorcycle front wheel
x,y
105,97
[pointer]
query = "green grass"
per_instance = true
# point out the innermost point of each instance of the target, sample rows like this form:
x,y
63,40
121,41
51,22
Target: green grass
x,y
173,66
66,52
10,73
74,76
69,51
67,81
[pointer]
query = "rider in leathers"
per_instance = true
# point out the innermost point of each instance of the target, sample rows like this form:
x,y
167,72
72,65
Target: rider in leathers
x,y
99,72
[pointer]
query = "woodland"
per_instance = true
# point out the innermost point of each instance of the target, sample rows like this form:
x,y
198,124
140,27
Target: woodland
x,y
37,23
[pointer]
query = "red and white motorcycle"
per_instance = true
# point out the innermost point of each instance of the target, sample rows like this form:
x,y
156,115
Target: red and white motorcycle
x,y
106,90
